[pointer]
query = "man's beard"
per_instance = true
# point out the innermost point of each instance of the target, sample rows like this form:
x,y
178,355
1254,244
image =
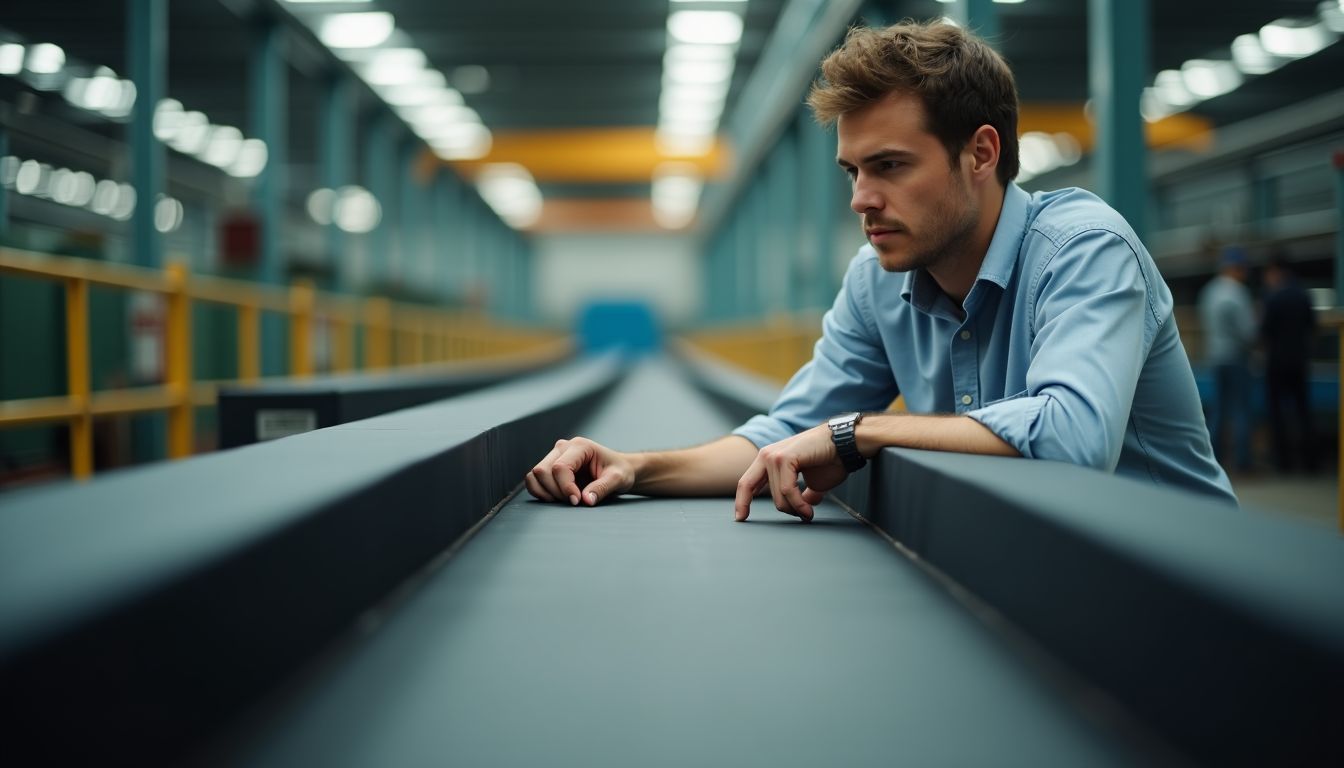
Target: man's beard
x,y
944,235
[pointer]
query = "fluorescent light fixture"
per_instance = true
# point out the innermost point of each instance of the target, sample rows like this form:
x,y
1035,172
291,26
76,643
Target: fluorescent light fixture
x,y
678,52
11,58
1207,78
125,205
438,114
672,144
356,210
674,194
167,214
356,30
394,66
321,205
416,95
694,110
104,197
167,119
45,59
1295,37
62,185
125,101
225,144
1250,57
705,27
1171,87
251,159
511,192
192,133
1332,15
697,72
1036,152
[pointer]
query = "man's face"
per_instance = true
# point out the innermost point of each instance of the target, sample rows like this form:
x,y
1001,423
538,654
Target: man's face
x,y
915,209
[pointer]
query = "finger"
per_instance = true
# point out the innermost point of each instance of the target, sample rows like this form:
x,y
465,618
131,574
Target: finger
x,y
797,506
564,469
747,487
813,497
596,491
542,474
781,479
534,488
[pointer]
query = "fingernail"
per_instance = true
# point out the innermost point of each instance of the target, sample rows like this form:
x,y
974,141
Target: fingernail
x,y
573,500
592,498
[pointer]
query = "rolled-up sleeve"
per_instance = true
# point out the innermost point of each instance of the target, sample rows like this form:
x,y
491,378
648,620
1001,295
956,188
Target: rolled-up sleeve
x,y
849,370
1093,319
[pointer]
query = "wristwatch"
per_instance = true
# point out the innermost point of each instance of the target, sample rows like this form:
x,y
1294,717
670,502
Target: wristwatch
x,y
842,434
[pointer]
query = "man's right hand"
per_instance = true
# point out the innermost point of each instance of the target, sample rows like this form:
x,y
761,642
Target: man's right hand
x,y
580,470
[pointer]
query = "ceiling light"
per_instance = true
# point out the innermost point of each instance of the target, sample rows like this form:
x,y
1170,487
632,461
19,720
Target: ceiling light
x,y
167,119
192,133
45,59
1207,78
251,159
356,30
1295,37
321,205
395,66
685,52
104,197
11,59
225,144
705,27
1171,87
125,203
1251,57
694,72
167,214
356,210
1332,15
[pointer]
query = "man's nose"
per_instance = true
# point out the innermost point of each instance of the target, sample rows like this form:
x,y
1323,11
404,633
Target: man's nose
x,y
863,198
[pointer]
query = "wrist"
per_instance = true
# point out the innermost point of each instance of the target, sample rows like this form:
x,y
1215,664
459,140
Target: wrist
x,y
867,434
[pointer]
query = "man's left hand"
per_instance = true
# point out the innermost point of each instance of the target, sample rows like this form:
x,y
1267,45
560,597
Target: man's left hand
x,y
811,454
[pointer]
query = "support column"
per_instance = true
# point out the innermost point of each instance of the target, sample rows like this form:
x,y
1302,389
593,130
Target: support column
x,y
375,172
4,193
147,52
442,249
1118,34
785,172
408,207
270,100
147,46
336,150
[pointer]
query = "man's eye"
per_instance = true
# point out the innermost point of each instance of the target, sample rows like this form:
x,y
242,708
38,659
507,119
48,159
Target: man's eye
x,y
889,165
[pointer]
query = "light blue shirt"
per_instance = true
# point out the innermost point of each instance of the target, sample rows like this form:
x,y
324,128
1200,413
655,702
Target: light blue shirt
x,y
1067,349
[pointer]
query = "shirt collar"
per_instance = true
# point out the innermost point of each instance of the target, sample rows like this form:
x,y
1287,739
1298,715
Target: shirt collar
x,y
922,291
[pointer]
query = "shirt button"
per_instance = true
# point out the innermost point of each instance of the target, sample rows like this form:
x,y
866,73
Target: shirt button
x,y
965,335
965,399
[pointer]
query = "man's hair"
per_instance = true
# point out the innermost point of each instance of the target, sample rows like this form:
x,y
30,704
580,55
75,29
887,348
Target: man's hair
x,y
963,83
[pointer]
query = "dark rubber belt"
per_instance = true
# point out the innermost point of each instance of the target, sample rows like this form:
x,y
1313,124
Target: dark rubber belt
x,y
660,632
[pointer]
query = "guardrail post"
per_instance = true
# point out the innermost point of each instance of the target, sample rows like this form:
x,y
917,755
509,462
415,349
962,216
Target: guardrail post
x,y
181,415
249,342
342,341
377,333
77,375
301,329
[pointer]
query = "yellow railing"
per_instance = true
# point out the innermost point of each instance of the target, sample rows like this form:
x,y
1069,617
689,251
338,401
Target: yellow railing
x,y
775,349
393,335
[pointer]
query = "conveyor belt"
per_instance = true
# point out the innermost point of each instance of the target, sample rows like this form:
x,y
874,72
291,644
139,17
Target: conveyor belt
x,y
659,632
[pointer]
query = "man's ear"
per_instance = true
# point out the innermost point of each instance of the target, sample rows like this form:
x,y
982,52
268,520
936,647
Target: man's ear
x,y
983,149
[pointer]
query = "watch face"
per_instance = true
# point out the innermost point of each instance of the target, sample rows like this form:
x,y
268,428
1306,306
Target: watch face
x,y
843,419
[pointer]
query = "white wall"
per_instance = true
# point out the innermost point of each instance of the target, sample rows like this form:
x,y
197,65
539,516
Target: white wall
x,y
572,269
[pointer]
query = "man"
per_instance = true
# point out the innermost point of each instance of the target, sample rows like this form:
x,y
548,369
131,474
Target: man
x,y
1228,321
1287,328
1013,324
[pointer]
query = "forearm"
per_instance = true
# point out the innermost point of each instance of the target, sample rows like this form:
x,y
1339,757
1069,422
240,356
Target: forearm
x,y
712,469
959,434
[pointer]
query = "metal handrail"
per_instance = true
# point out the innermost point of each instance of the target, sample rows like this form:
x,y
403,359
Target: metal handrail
x,y
393,335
